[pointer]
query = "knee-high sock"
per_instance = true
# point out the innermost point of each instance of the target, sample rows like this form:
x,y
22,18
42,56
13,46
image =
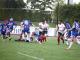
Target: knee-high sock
x,y
67,42
78,41
28,37
70,44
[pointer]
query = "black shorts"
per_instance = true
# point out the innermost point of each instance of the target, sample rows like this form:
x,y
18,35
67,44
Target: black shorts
x,y
3,33
45,31
61,34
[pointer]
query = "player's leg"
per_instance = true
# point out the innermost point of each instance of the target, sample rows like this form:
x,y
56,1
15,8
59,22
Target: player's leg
x,y
62,38
44,38
66,38
21,35
40,38
71,35
31,36
9,34
25,37
3,34
58,39
70,42
28,36
78,40
66,41
71,39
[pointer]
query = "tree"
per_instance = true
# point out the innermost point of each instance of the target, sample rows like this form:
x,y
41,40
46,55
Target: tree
x,y
69,12
9,8
45,7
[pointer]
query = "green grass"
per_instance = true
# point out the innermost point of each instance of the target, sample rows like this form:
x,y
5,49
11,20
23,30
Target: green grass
x,y
9,50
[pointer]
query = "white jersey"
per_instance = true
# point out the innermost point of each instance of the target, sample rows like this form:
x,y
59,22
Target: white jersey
x,y
45,25
40,24
61,27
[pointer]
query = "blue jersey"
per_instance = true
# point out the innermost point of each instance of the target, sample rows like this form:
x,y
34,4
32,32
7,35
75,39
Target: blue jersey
x,y
75,28
27,25
10,24
68,26
75,25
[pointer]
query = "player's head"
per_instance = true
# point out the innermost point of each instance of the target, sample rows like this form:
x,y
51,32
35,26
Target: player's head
x,y
66,21
11,19
75,20
26,22
45,21
59,22
22,23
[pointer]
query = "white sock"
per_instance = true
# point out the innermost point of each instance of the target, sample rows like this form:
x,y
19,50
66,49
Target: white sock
x,y
78,41
67,43
70,44
28,38
23,37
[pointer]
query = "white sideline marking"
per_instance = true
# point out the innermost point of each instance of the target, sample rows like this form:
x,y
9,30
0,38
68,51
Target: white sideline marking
x,y
30,56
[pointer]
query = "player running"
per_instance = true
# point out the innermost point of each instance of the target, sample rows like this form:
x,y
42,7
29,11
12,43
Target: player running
x,y
67,32
10,26
60,29
43,29
73,34
3,30
25,30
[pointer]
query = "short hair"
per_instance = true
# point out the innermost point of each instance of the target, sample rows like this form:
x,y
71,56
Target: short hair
x,y
76,20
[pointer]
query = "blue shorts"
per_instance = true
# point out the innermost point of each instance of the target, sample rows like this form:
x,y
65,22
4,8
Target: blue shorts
x,y
26,31
3,32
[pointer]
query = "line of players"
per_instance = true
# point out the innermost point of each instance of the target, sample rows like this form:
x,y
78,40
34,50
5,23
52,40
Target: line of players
x,y
40,32
65,31
69,33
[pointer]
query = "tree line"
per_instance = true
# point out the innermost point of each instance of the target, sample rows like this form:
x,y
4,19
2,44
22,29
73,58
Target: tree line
x,y
67,12
15,9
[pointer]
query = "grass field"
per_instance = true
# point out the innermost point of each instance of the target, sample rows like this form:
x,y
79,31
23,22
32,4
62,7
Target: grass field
x,y
11,50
